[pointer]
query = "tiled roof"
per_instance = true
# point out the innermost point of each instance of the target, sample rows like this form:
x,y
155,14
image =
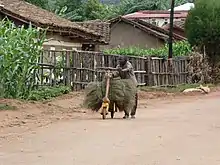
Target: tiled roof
x,y
27,12
100,27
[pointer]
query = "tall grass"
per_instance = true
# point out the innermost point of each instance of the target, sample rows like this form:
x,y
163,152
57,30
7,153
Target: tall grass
x,y
20,49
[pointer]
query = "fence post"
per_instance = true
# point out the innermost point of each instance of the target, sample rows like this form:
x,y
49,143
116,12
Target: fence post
x,y
148,79
54,69
94,67
67,68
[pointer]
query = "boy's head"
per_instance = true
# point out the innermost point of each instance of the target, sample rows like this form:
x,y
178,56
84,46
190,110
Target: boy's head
x,y
122,60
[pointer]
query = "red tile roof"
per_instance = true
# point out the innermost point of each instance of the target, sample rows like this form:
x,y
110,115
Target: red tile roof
x,y
155,14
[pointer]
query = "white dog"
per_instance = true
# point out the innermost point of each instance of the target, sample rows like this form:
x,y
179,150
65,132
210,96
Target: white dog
x,y
201,88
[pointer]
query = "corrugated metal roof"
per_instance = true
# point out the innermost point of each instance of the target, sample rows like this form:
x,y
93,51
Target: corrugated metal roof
x,y
155,14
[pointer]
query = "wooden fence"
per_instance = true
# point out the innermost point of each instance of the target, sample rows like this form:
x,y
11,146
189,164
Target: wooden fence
x,y
78,68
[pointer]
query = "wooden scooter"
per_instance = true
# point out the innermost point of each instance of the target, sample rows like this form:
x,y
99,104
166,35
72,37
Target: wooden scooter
x,y
105,101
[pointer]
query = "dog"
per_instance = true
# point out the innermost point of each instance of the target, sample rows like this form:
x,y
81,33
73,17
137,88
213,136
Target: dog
x,y
201,88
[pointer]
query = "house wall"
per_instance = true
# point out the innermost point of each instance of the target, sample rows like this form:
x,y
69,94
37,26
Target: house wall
x,y
60,42
126,35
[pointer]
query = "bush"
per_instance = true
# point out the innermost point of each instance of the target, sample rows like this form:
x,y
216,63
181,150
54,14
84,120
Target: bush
x,y
46,93
20,49
181,48
203,28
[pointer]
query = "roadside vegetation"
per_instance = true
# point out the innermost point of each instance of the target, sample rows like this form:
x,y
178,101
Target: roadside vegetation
x,y
181,48
20,49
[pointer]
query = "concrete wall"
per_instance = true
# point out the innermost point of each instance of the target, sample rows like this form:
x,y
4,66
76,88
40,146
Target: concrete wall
x,y
126,35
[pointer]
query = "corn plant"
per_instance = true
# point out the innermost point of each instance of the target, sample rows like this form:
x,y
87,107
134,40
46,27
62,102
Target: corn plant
x,y
20,49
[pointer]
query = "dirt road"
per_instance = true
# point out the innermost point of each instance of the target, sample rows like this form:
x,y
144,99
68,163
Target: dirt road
x,y
186,132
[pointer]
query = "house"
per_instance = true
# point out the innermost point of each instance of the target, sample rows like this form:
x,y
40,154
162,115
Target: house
x,y
157,17
178,28
61,33
138,33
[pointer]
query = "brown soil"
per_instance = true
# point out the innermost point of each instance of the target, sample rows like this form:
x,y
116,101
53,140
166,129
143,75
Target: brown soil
x,y
169,129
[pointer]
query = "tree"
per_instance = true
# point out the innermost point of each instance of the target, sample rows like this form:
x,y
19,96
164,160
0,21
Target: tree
x,y
203,28
203,31
92,10
70,4
41,3
89,10
81,10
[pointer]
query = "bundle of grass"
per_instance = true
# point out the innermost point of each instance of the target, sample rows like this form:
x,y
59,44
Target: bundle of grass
x,y
121,92
93,96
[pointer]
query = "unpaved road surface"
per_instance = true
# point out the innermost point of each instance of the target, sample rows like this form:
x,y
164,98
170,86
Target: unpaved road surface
x,y
174,132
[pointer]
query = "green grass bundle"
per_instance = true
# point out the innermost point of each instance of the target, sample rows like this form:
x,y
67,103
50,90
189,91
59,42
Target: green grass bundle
x,y
93,96
121,92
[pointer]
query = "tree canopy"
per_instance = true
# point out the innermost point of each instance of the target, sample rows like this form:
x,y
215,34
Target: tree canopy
x,y
81,10
203,28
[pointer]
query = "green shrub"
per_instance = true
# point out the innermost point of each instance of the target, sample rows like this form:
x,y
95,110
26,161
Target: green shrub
x,y
20,49
181,48
45,93
203,28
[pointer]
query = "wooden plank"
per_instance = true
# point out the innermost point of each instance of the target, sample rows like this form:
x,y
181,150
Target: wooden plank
x,y
42,70
68,70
